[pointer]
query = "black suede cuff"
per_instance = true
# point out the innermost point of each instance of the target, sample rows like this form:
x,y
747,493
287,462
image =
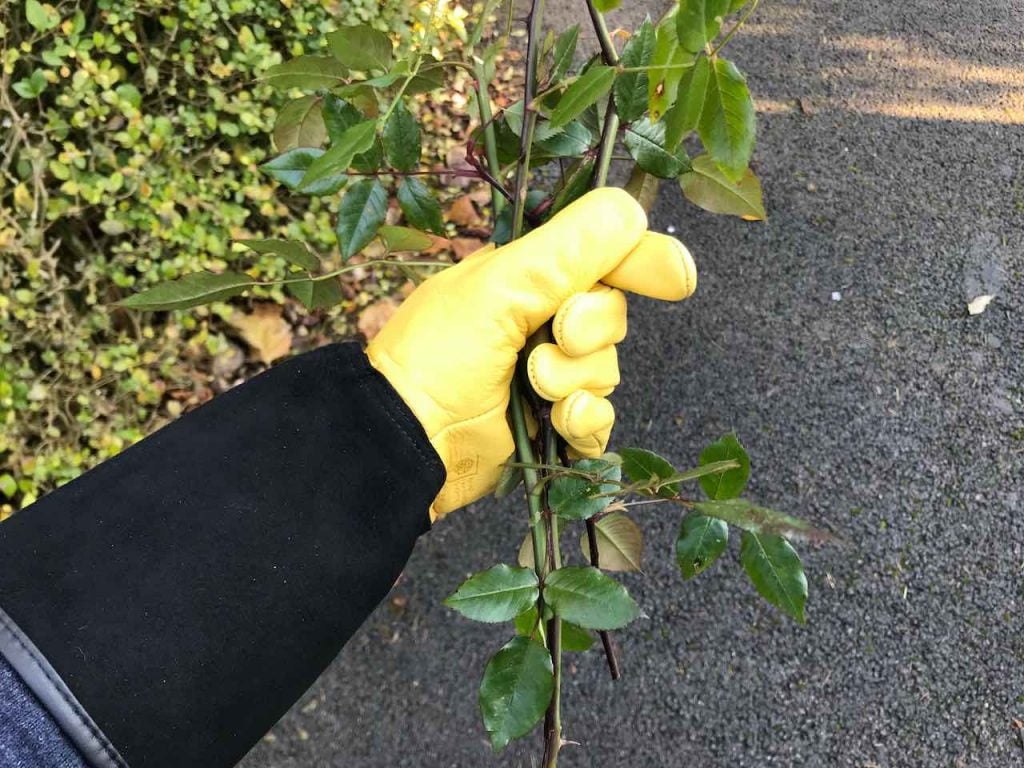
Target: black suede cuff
x,y
189,590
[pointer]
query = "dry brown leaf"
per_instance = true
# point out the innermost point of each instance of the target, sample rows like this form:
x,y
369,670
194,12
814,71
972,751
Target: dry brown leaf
x,y
465,246
463,213
372,319
265,331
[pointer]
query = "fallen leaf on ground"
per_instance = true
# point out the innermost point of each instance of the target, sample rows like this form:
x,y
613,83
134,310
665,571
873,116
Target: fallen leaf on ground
x,y
372,319
463,213
265,331
979,304
465,246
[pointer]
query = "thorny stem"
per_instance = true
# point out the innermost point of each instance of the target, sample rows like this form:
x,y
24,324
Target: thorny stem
x,y
610,130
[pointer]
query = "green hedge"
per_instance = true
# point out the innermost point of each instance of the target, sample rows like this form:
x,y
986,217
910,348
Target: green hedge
x,y
132,132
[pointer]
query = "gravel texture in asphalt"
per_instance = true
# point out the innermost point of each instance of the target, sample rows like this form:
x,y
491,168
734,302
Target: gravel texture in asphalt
x,y
835,340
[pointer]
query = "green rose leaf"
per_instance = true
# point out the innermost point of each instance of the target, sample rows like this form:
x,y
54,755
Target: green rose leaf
x,y
339,115
645,142
577,498
578,179
684,117
750,517
398,239
631,87
306,72
300,123
698,22
291,251
402,139
643,466
574,638
361,212
498,594
701,541
515,691
361,47
620,543
565,49
573,140
290,167
585,596
705,185
668,66
316,294
727,122
420,207
607,5
775,569
643,187
189,291
591,86
729,484
338,158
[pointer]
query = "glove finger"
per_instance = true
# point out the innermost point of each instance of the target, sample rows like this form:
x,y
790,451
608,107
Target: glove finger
x,y
555,375
585,421
586,322
660,267
568,255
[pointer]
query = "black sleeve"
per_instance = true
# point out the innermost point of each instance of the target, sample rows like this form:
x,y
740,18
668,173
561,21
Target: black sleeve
x,y
169,606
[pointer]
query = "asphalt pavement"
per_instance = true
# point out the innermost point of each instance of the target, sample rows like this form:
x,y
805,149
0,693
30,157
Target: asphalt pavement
x,y
835,340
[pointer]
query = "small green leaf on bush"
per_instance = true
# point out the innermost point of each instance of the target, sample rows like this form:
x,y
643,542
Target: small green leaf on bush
x,y
607,5
573,140
620,543
750,517
701,541
515,691
361,212
727,120
429,78
402,139
698,22
291,251
631,87
643,187
43,18
31,86
565,49
498,594
642,466
577,498
8,485
684,117
526,622
728,484
775,569
361,47
668,66
306,72
525,557
420,207
585,596
316,294
645,142
397,239
353,141
591,86
300,123
189,291
705,185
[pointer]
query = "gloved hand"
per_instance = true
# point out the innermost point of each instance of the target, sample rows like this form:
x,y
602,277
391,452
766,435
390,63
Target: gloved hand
x,y
450,350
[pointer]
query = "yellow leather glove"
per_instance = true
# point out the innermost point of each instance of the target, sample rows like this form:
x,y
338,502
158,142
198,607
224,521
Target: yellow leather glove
x,y
450,350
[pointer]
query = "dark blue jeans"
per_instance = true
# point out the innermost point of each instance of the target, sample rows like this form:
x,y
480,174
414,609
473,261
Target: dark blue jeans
x,y
29,738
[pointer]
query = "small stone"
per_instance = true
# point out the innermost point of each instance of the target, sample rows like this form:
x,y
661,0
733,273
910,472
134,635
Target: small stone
x,y
836,296
812,187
